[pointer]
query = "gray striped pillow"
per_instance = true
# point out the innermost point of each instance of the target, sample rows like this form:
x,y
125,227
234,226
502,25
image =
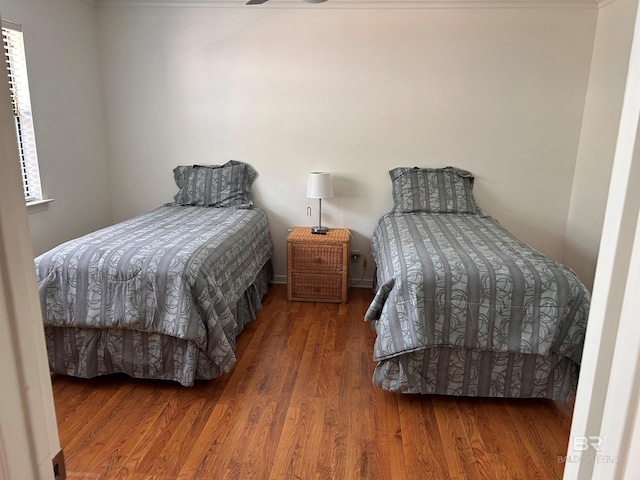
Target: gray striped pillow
x,y
433,190
227,185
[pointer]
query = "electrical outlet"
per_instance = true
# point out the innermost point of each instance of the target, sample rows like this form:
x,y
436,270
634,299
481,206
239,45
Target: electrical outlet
x,y
355,255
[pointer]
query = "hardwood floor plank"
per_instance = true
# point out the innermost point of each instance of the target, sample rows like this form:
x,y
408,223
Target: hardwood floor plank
x,y
215,444
79,399
545,451
74,396
255,455
297,452
368,460
156,403
422,444
140,409
176,439
458,451
98,425
235,456
333,441
487,428
311,363
510,436
479,451
389,434
299,403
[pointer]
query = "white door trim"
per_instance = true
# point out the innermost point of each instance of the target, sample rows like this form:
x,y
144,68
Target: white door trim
x,y
606,408
28,428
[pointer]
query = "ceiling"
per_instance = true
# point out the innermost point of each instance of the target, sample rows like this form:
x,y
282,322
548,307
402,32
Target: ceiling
x,y
358,4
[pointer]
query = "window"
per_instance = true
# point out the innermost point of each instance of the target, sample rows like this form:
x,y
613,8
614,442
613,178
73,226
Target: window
x,y
21,102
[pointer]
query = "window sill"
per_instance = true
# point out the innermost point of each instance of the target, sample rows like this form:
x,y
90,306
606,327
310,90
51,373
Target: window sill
x,y
38,205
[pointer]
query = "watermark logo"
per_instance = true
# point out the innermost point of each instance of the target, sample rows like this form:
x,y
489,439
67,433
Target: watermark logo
x,y
589,448
582,444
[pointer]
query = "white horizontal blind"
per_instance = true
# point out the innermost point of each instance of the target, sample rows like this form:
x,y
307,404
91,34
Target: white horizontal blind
x,y
21,101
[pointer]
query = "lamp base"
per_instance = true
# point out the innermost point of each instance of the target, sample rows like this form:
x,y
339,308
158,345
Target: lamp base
x,y
319,230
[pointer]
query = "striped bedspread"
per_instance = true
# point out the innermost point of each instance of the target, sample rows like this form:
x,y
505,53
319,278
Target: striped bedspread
x,y
177,271
464,281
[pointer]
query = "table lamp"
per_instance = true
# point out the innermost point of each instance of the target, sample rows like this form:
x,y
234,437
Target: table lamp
x,y
319,187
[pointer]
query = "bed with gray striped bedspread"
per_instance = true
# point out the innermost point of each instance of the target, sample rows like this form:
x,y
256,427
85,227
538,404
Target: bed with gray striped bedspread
x,y
463,307
157,296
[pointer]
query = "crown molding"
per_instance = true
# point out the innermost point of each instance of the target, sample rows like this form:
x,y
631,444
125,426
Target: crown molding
x,y
604,3
360,4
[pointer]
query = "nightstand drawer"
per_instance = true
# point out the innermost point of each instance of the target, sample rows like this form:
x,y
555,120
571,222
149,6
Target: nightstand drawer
x,y
328,258
306,286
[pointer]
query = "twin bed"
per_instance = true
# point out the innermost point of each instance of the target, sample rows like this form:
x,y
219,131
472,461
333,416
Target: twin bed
x,y
461,306
165,294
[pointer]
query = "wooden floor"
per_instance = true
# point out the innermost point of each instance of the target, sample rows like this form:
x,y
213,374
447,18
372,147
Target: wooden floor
x,y
299,404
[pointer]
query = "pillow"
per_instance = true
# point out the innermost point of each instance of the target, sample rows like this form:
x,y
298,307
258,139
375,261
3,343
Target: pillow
x,y
433,190
227,185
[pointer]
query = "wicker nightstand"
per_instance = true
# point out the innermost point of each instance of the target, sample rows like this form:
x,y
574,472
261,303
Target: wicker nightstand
x,y
318,265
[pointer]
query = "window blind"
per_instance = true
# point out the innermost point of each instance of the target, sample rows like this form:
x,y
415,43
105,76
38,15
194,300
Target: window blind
x,y
21,101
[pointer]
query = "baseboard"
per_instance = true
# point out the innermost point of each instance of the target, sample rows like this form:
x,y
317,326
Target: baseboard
x,y
364,283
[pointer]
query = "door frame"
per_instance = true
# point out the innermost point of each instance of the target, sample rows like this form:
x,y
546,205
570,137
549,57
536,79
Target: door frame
x,y
606,416
28,428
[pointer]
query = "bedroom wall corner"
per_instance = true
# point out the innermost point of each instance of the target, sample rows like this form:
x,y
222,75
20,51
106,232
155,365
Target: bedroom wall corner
x,y
601,119
352,91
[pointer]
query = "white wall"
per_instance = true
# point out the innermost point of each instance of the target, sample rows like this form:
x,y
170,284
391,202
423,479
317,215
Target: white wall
x,y
62,62
602,111
355,92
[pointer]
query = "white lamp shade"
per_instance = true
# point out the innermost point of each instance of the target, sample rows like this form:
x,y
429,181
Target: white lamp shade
x,y
319,185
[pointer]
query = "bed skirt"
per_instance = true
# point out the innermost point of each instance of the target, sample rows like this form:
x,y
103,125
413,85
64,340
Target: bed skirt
x,y
479,373
87,353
